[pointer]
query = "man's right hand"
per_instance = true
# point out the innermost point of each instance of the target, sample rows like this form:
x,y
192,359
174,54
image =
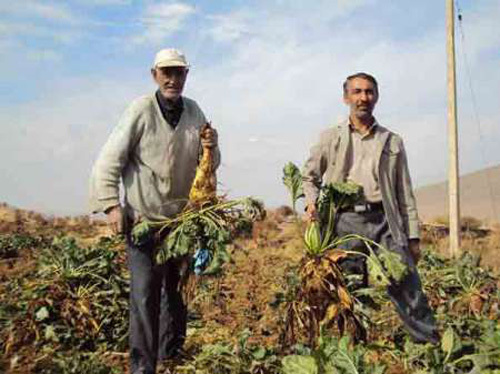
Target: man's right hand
x,y
312,213
115,219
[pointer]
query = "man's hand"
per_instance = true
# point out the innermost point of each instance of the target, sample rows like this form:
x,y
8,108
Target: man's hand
x,y
115,219
414,247
312,213
209,137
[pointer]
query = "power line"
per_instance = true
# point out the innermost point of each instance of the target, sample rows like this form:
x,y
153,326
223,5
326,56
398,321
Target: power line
x,y
475,110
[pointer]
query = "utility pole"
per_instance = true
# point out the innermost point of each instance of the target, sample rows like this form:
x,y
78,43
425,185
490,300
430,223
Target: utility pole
x,y
453,186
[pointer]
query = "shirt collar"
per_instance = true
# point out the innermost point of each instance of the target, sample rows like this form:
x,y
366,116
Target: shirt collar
x,y
169,105
371,129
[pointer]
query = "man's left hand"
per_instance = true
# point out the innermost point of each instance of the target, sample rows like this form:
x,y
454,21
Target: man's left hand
x,y
414,247
209,138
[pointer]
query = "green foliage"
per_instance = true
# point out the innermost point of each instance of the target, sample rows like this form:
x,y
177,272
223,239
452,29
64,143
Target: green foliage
x,y
75,265
79,299
252,209
332,356
194,233
385,267
211,227
320,236
11,244
296,364
313,241
181,241
471,339
142,233
450,343
458,279
332,198
455,355
292,179
240,358
338,196
217,358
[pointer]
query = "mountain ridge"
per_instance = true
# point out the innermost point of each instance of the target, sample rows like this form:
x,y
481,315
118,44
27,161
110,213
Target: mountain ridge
x,y
479,196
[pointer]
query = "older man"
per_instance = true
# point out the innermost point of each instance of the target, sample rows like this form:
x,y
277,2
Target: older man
x,y
154,150
362,151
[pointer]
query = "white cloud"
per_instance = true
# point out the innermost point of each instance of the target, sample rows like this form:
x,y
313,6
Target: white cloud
x,y
52,11
346,7
279,19
104,2
229,27
11,30
44,55
162,20
24,22
327,8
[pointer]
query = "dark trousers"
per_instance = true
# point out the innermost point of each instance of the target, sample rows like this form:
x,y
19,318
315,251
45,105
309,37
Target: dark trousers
x,y
157,312
407,296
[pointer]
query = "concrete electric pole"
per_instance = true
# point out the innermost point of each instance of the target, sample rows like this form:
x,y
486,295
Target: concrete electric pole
x,y
453,174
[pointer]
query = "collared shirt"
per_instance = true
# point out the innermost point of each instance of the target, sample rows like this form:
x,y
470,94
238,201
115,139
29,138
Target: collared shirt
x,y
170,110
361,163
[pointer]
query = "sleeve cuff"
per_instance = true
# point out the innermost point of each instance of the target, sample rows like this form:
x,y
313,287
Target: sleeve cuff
x,y
101,205
414,230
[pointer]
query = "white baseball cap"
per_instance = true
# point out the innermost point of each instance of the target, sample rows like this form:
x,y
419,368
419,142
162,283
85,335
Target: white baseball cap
x,y
170,57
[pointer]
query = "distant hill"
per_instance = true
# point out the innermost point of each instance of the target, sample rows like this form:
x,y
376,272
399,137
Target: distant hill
x,y
477,199
13,219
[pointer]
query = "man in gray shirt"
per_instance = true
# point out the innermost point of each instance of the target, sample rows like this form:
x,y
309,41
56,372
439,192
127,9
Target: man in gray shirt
x,y
154,151
362,151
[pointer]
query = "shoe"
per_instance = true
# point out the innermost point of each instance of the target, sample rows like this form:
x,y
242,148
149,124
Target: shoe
x,y
174,353
434,339
143,371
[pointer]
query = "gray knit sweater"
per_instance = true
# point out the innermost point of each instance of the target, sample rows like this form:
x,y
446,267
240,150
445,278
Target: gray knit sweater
x,y
155,162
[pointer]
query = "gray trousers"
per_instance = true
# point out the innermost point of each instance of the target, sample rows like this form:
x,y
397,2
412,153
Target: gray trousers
x,y
157,313
407,296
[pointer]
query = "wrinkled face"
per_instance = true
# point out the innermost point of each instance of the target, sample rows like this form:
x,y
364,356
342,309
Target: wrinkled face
x,y
361,96
170,80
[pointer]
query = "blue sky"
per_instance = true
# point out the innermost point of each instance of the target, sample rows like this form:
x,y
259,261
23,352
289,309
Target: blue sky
x,y
267,73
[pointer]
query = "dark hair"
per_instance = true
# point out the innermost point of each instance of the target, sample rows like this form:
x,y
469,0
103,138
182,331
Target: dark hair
x,y
366,76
